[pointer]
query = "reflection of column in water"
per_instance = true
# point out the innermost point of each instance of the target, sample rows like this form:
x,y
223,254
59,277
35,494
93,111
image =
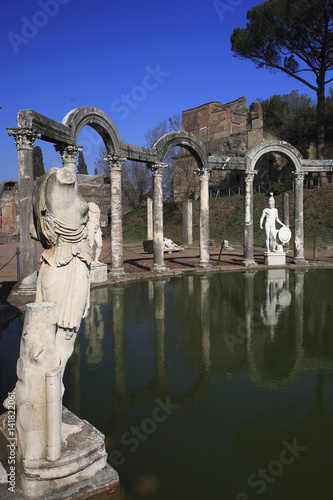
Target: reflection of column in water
x,y
94,326
249,304
150,291
299,308
205,320
159,327
74,378
190,285
118,340
94,332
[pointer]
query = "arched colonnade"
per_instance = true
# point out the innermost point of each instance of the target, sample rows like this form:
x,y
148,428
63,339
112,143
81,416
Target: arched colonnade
x,y
32,126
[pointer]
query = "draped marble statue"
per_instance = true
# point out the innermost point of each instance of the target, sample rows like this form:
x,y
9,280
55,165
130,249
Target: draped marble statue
x,y
60,224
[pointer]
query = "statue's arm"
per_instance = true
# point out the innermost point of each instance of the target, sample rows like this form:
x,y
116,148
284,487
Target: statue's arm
x,y
262,218
277,219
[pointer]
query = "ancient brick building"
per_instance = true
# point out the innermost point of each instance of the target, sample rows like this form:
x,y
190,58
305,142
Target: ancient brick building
x,y
226,130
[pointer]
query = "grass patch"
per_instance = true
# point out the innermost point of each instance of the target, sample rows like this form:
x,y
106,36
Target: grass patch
x,y
227,219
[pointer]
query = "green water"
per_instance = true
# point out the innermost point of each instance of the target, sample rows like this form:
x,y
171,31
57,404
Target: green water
x,y
208,387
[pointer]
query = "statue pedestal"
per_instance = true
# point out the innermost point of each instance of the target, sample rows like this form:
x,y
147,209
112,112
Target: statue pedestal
x,y
98,273
274,258
80,472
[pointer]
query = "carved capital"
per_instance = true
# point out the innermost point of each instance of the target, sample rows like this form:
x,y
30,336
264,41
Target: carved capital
x,y
115,162
299,175
68,152
157,169
249,176
203,174
24,137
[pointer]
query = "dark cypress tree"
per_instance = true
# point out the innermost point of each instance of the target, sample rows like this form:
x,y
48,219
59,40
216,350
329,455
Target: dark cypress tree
x,y
37,162
81,165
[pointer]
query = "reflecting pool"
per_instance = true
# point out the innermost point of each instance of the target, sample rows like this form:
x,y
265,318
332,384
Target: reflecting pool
x,y
208,387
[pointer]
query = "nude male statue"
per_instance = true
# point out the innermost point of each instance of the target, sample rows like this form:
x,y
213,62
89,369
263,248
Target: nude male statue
x,y
94,229
271,215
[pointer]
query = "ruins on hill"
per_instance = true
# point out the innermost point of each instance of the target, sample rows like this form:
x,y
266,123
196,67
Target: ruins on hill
x,y
230,130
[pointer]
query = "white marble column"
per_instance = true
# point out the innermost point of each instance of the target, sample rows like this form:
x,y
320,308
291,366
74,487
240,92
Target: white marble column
x,y
248,219
69,154
115,163
24,140
299,219
149,219
285,214
187,223
203,174
157,172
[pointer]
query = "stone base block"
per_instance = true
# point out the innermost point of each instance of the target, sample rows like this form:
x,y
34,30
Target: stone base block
x,y
99,273
299,261
275,258
80,472
249,263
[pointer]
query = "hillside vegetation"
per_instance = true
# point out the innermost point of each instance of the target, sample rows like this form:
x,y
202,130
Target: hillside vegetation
x,y
227,219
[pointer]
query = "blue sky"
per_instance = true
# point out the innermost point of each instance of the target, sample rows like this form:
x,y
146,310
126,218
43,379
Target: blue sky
x,y
139,62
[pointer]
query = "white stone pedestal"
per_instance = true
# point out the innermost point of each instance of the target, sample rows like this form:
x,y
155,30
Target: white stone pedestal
x,y
275,258
99,273
81,471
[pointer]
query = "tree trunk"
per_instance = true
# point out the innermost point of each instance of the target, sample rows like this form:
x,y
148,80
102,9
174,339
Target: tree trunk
x,y
321,126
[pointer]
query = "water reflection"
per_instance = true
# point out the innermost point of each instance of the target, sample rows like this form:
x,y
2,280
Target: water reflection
x,y
243,359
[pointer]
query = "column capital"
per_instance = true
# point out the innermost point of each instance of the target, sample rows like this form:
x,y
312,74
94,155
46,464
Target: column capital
x,y
68,152
203,173
24,137
299,175
157,168
249,175
115,162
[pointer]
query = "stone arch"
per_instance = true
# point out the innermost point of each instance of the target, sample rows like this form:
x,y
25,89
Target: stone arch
x,y
282,147
185,140
77,118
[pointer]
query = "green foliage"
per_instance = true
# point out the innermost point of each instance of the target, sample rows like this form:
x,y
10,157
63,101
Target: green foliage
x,y
37,162
295,37
277,188
291,118
82,166
288,36
148,246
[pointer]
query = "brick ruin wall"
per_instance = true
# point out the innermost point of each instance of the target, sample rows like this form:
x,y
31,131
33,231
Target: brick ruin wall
x,y
226,130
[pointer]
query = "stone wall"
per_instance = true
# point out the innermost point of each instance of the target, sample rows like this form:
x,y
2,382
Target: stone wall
x,y
9,211
226,130
96,188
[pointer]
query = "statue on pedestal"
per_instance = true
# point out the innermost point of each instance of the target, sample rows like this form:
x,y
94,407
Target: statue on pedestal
x,y
274,238
271,215
57,452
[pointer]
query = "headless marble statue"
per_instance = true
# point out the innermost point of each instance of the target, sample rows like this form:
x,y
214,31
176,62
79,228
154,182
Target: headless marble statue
x,y
60,224
94,229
